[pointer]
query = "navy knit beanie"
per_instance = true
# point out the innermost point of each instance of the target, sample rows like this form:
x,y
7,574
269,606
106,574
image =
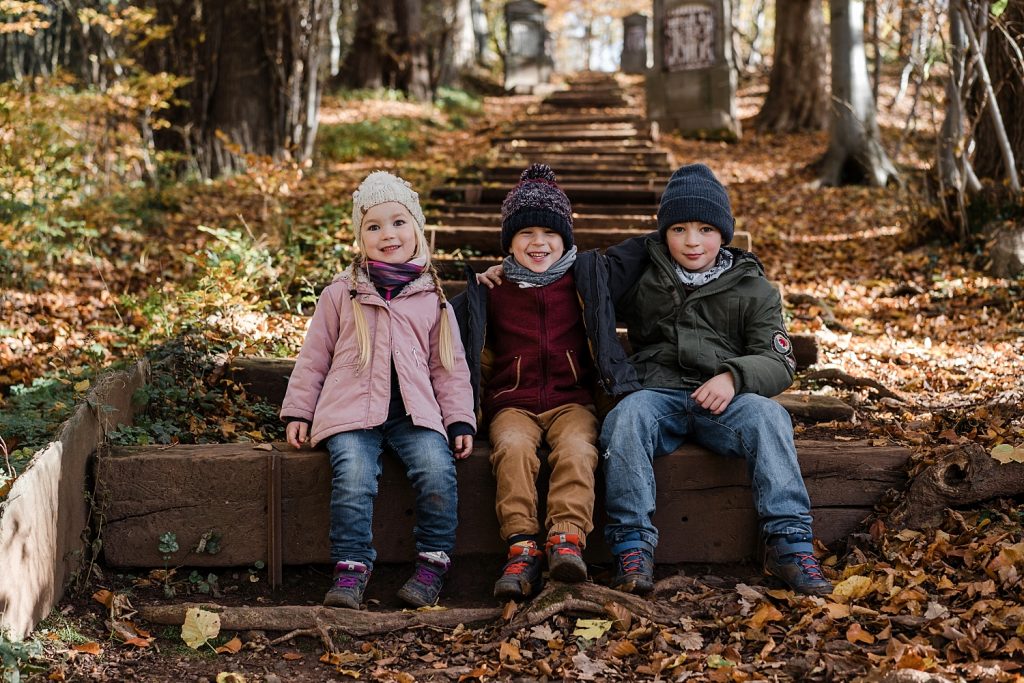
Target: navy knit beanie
x,y
693,193
536,202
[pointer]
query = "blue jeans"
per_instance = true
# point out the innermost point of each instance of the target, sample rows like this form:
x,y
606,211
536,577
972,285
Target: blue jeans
x,y
356,463
653,422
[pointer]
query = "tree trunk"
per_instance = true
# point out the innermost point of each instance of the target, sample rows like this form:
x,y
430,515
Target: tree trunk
x,y
254,68
368,61
410,47
855,154
951,173
797,97
1005,71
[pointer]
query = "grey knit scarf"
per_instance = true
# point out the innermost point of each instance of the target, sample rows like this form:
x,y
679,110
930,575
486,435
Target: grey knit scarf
x,y
524,277
693,280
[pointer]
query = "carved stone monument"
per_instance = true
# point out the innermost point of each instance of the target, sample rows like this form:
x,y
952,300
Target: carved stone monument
x,y
692,87
634,44
527,62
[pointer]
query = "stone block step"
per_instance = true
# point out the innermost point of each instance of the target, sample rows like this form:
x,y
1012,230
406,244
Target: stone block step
x,y
705,511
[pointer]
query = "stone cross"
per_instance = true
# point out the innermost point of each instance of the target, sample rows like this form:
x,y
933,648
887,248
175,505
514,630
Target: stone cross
x,y
634,44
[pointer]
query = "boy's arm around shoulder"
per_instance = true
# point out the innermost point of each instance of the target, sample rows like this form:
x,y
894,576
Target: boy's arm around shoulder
x,y
625,263
767,366
314,359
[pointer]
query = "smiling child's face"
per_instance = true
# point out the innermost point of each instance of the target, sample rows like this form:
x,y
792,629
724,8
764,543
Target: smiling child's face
x,y
536,248
388,233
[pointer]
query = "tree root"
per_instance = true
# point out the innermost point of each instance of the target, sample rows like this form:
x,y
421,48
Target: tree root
x,y
827,316
960,478
835,375
591,598
315,620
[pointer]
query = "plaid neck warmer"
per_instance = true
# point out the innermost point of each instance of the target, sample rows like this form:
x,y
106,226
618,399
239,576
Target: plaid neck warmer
x,y
694,280
524,277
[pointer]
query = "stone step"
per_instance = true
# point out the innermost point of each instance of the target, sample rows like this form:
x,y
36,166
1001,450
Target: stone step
x,y
273,505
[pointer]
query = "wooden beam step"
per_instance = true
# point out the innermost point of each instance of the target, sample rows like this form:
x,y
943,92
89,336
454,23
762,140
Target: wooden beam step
x,y
486,238
580,221
579,208
557,137
705,509
586,166
580,177
633,146
593,193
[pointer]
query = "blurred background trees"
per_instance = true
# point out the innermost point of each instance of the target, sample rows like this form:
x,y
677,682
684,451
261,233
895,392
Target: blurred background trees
x,y
161,88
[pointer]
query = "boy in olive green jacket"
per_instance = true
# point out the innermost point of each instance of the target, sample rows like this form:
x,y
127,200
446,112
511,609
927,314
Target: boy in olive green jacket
x,y
710,349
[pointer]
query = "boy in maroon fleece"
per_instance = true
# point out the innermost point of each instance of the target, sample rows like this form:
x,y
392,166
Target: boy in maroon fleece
x,y
541,374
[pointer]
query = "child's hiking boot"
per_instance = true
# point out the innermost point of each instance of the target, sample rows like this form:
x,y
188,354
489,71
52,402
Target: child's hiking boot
x,y
349,583
427,580
791,559
520,578
635,571
565,559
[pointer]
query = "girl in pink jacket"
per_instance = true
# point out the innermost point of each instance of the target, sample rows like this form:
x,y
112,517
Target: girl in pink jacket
x,y
383,365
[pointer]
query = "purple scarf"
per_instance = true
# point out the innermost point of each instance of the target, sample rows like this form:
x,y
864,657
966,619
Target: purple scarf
x,y
392,276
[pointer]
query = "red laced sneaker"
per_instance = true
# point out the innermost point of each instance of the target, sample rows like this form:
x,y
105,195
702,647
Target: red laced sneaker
x,y
520,577
565,559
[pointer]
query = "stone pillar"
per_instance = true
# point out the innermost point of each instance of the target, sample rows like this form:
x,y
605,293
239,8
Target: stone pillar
x,y
692,87
527,57
634,44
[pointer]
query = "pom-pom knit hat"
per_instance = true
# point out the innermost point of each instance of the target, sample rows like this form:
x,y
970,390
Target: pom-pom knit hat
x,y
380,187
537,201
693,193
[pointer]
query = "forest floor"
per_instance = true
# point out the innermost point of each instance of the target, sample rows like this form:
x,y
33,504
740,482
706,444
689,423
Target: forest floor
x,y
888,300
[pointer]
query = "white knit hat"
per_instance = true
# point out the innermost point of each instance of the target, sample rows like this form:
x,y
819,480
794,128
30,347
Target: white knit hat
x,y
380,187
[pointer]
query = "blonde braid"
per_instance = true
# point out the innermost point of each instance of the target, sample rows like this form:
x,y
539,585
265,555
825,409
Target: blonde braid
x,y
362,330
445,345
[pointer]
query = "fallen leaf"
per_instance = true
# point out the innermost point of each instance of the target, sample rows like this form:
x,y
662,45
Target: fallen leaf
x,y
622,618
82,386
622,648
852,588
509,652
855,634
837,610
104,597
544,632
139,642
509,610
765,612
262,446
199,627
88,648
230,677
230,647
591,629
587,669
291,656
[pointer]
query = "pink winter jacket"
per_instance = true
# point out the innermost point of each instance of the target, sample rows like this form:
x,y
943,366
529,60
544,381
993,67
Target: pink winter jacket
x,y
326,388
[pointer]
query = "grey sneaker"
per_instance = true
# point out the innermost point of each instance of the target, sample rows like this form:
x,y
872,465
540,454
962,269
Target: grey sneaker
x,y
521,575
791,559
349,583
426,582
634,572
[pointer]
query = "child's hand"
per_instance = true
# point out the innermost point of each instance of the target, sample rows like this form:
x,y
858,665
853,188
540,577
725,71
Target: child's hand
x,y
463,446
297,433
490,277
716,394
